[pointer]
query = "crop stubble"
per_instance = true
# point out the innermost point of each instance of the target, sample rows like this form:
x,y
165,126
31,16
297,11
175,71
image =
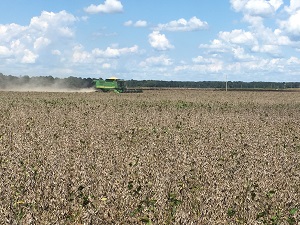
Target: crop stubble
x,y
160,157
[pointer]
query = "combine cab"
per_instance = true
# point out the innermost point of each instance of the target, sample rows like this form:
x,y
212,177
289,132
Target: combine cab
x,y
114,84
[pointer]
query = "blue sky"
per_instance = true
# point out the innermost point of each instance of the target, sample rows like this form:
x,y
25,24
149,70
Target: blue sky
x,y
195,40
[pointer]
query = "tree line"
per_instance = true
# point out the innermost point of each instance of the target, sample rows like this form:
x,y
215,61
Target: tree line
x,y
212,84
8,81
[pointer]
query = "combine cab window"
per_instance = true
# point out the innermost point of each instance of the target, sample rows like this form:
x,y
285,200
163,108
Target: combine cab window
x,y
110,80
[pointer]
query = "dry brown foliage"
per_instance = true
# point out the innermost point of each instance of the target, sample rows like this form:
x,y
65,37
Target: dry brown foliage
x,y
160,157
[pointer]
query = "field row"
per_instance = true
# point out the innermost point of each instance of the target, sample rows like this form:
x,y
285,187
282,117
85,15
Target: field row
x,y
158,157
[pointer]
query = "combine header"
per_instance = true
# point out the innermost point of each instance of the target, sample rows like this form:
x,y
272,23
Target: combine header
x,y
114,84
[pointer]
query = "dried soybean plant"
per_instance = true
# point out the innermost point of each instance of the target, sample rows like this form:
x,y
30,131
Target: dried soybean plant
x,y
176,157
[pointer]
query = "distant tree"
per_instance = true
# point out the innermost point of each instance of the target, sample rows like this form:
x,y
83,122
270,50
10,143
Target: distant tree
x,y
24,80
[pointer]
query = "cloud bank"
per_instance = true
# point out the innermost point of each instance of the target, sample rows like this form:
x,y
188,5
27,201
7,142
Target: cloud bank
x,y
264,45
182,24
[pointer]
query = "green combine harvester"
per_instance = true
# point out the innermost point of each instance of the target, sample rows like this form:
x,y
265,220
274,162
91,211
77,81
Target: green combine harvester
x,y
114,84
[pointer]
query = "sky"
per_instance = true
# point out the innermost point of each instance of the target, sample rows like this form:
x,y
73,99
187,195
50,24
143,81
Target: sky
x,y
180,40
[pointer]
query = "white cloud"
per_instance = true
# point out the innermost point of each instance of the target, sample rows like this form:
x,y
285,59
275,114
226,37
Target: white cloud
x,y
79,55
114,52
270,49
204,65
294,6
201,65
281,39
292,25
237,42
293,60
41,42
159,41
255,21
261,8
109,6
201,69
261,40
16,45
11,31
203,60
216,46
39,23
240,54
183,25
56,52
84,18
238,5
5,52
25,43
128,23
108,53
267,36
258,8
106,66
54,23
238,37
139,23
46,25
242,68
29,57
276,4
157,61
66,32
266,65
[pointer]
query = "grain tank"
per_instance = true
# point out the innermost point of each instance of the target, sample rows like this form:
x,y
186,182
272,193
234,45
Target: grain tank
x,y
114,84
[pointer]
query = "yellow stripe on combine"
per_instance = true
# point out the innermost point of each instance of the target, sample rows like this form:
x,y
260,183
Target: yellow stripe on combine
x,y
104,87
